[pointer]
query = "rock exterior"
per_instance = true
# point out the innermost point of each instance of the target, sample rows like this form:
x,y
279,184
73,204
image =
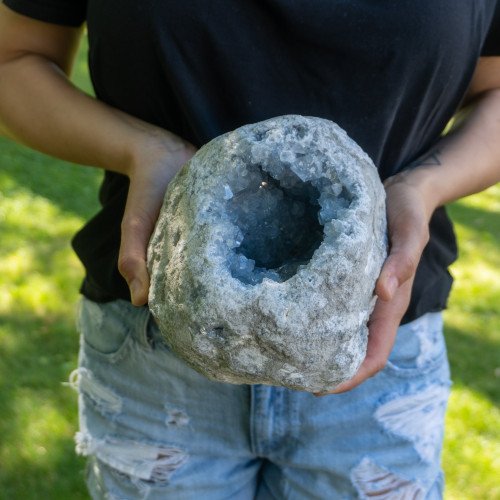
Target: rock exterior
x,y
265,255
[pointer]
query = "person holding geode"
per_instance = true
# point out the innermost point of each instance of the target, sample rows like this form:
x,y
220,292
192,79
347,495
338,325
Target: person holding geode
x,y
169,77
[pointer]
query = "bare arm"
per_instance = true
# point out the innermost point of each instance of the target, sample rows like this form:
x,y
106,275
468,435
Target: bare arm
x,y
464,162
42,109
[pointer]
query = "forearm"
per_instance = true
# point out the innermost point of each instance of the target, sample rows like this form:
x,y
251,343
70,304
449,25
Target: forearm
x,y
42,109
465,161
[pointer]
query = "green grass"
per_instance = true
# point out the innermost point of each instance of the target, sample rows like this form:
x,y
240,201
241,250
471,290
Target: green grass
x,y
44,201
472,446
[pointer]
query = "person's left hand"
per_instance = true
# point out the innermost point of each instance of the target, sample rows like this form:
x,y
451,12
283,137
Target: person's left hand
x,y
409,208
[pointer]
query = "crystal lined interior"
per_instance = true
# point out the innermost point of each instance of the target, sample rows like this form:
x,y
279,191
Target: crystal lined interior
x,y
280,221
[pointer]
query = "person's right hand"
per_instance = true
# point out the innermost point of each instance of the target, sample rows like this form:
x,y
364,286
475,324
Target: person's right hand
x,y
154,165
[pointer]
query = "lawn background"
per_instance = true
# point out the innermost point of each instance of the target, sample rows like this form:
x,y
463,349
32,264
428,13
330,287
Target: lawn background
x,y
44,201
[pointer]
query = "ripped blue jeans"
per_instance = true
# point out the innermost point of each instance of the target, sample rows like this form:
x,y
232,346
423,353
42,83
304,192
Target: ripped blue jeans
x,y
153,428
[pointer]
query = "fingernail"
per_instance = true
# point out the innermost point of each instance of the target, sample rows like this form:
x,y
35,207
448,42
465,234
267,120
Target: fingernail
x,y
392,286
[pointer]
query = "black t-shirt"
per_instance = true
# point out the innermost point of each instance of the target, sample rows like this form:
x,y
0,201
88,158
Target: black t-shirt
x,y
391,73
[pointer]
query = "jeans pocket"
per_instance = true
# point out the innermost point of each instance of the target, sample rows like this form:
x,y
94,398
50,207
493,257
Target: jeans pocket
x,y
105,328
419,348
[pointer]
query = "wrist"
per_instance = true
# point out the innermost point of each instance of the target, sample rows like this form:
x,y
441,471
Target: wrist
x,y
154,147
423,181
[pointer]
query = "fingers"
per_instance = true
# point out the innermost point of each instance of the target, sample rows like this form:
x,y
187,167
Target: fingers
x,y
408,214
141,211
400,266
136,231
383,327
148,183
408,233
382,336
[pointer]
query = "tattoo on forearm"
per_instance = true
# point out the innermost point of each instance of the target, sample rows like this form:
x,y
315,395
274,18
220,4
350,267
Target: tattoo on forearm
x,y
429,159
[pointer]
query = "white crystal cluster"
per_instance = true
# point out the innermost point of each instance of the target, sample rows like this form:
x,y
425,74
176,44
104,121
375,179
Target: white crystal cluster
x,y
266,252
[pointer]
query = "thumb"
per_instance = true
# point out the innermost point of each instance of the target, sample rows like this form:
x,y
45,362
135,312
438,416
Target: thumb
x,y
400,266
149,179
136,229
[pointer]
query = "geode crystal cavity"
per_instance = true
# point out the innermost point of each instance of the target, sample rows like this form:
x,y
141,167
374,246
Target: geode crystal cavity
x,y
266,252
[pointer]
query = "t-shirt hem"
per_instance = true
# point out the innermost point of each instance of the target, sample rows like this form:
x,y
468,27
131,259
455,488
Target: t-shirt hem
x,y
96,294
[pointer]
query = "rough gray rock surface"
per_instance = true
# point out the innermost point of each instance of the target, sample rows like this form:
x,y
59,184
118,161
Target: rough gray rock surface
x,y
266,252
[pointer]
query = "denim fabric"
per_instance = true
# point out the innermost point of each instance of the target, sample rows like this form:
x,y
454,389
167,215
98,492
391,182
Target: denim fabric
x,y
154,428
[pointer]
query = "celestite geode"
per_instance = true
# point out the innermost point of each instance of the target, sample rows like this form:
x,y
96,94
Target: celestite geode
x,y
266,252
